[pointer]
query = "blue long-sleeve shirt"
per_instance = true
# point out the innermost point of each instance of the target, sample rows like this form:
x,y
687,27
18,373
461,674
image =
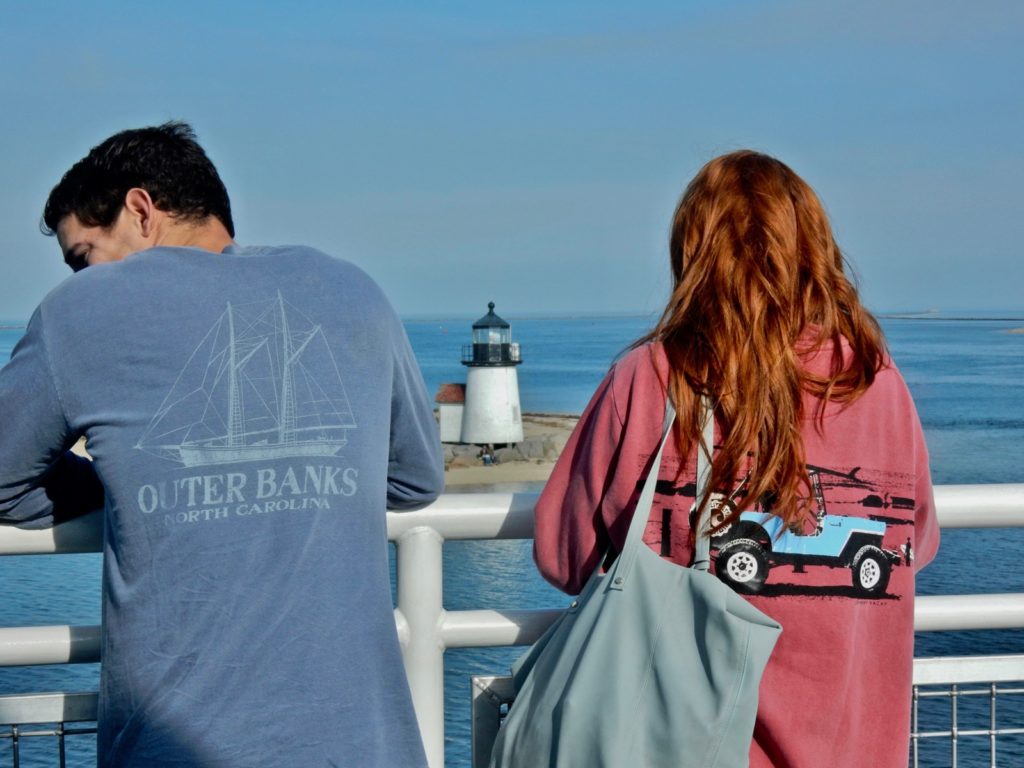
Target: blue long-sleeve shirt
x,y
250,415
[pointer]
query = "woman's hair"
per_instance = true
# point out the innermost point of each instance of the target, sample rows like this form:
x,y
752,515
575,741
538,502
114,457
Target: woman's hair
x,y
758,285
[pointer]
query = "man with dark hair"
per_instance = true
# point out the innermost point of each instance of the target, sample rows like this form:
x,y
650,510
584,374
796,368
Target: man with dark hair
x,y
250,412
103,208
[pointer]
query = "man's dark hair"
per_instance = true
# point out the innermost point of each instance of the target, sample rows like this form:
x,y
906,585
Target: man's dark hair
x,y
165,160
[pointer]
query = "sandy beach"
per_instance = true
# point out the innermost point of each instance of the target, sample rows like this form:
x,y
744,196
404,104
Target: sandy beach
x,y
544,437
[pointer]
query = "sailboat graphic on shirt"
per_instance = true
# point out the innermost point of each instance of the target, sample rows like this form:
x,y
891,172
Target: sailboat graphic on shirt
x,y
262,384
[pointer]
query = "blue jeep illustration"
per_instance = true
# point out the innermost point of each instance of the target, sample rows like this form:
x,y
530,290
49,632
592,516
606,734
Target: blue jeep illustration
x,y
745,550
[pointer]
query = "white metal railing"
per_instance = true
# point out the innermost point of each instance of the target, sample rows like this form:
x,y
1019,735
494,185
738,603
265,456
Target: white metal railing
x,y
972,686
426,629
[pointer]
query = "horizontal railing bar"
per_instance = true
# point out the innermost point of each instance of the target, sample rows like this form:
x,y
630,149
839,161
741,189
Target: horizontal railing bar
x,y
485,628
955,670
465,516
992,505
62,644
948,694
32,708
478,629
959,733
943,613
51,732
934,613
455,516
37,708
510,516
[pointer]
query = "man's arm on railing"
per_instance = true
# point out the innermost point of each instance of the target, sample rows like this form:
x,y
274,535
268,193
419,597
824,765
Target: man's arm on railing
x,y
415,464
41,482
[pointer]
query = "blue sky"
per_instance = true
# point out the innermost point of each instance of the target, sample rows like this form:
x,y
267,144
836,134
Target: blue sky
x,y
532,153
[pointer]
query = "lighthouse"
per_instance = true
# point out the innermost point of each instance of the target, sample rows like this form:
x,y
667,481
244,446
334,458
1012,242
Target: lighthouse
x,y
491,413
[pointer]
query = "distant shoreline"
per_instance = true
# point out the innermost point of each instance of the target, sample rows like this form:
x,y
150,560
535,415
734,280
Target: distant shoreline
x,y
879,315
958,318
537,315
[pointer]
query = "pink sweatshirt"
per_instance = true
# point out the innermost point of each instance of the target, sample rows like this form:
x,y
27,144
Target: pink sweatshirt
x,y
836,691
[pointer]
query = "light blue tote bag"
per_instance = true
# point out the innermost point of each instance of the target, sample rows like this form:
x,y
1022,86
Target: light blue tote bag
x,y
654,665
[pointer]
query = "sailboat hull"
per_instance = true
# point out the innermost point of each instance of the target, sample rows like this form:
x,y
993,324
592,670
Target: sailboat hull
x,y
202,455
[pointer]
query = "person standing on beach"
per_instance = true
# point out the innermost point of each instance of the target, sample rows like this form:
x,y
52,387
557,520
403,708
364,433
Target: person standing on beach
x,y
250,411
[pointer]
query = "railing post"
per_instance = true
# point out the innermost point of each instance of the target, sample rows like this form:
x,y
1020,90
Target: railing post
x,y
418,557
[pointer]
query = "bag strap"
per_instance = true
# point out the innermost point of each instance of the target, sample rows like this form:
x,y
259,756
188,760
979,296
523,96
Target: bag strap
x,y
634,537
702,546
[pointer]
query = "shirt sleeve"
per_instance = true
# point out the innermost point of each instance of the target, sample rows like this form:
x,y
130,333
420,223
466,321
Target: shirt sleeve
x,y
569,533
41,482
926,525
415,463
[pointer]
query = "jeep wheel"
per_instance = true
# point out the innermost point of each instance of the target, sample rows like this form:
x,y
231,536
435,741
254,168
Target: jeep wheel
x,y
742,565
870,570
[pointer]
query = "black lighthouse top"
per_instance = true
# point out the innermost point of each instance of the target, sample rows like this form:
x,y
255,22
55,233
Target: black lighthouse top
x,y
492,342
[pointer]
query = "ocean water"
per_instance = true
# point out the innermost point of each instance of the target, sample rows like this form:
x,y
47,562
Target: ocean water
x,y
967,378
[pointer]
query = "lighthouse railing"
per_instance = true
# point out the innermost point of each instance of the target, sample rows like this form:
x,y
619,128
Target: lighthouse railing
x,y
426,629
493,354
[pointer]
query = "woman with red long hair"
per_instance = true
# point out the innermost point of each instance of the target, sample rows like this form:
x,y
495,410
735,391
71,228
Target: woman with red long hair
x,y
822,507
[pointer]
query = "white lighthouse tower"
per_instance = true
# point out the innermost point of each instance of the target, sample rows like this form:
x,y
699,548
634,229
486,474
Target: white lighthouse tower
x,y
491,414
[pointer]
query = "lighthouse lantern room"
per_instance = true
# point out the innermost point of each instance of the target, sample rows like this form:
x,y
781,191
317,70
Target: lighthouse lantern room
x,y
491,413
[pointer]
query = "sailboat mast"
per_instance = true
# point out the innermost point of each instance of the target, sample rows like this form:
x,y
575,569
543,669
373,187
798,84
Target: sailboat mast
x,y
235,415
286,426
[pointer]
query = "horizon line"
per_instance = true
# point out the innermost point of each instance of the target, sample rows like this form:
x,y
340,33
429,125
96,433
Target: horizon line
x,y
962,314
